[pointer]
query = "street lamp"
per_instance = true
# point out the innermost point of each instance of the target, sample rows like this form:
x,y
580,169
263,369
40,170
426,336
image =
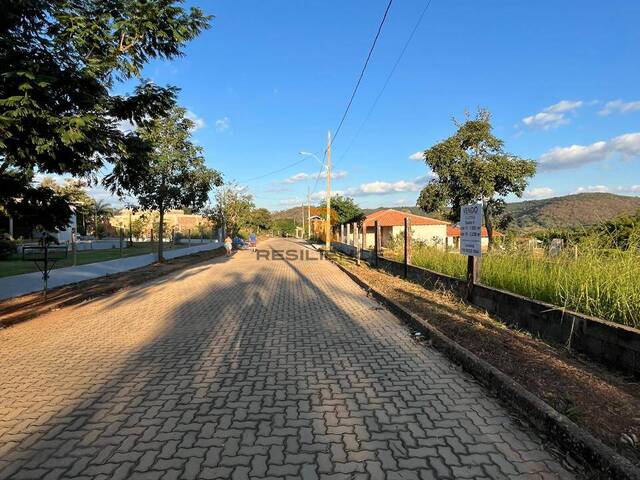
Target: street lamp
x,y
315,157
328,195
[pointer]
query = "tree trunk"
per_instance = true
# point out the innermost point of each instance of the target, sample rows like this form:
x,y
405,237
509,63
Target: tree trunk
x,y
488,222
161,234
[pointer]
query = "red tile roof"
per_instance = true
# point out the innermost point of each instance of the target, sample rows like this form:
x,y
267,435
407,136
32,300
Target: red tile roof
x,y
391,217
453,231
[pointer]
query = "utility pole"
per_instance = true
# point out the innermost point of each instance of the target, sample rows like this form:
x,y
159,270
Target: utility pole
x,y
327,229
308,213
302,215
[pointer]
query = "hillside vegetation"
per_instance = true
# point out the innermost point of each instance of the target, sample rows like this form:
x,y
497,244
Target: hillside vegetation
x,y
572,210
568,211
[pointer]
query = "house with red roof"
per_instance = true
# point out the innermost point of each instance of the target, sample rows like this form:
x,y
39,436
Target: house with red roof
x,y
453,237
426,229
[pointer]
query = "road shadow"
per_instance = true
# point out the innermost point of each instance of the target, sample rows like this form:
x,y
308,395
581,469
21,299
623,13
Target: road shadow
x,y
271,368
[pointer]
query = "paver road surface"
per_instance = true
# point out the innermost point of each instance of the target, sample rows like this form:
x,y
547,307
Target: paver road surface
x,y
244,368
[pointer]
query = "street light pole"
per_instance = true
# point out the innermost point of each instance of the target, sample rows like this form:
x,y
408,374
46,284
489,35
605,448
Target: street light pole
x,y
327,230
308,213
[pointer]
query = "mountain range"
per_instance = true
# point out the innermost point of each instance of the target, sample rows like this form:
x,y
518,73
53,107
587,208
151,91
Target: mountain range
x,y
565,211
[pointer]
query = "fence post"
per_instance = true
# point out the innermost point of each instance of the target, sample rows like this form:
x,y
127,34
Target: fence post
x,y
121,241
407,245
355,242
364,239
473,274
189,241
378,242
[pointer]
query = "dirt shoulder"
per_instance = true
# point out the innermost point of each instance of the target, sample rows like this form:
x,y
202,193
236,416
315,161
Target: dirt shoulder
x,y
18,309
604,403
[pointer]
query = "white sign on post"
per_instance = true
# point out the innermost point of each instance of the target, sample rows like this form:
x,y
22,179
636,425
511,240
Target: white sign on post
x,y
471,230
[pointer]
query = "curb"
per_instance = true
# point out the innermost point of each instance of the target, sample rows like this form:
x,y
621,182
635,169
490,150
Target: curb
x,y
593,453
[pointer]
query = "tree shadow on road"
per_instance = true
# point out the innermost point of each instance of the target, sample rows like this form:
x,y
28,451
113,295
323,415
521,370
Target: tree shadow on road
x,y
272,368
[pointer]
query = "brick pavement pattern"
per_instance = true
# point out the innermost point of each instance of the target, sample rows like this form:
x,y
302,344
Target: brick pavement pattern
x,y
246,369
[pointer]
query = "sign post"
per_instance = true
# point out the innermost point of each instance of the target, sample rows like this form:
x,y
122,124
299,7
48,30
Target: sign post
x,y
471,242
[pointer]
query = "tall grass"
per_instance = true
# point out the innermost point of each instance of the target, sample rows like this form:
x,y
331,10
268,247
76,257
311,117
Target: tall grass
x,y
598,281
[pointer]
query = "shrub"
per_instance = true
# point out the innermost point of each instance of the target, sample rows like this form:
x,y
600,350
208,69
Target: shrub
x,y
7,248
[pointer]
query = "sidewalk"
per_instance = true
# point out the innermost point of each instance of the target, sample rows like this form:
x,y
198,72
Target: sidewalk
x,y
17,285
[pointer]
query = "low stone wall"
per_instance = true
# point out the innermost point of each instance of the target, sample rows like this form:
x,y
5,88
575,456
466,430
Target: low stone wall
x,y
606,342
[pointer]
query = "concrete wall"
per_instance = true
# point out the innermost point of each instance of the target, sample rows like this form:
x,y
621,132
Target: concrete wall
x,y
424,233
606,342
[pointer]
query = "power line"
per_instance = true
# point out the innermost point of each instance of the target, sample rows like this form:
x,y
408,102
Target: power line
x,y
274,171
355,90
393,69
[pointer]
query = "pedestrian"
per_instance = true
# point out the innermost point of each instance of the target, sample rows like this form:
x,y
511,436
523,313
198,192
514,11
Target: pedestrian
x,y
253,241
228,244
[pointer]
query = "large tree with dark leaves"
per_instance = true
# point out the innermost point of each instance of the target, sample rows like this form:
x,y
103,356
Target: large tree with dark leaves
x,y
471,166
59,63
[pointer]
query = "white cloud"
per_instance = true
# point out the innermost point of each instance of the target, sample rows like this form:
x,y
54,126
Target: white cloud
x,y
322,194
618,106
298,177
552,116
198,121
223,124
302,176
592,189
539,192
417,156
627,146
385,188
564,106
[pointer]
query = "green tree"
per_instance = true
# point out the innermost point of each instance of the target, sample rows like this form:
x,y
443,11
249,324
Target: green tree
x,y
60,62
260,219
346,209
472,166
177,176
102,211
284,226
232,209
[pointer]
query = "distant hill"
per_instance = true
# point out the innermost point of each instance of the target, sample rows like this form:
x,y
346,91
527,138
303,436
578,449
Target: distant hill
x,y
572,210
566,211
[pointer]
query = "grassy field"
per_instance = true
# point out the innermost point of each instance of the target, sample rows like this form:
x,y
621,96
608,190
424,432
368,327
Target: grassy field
x,y
15,265
598,282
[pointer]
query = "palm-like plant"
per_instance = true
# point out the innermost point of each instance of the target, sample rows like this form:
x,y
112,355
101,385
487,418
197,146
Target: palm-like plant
x,y
102,211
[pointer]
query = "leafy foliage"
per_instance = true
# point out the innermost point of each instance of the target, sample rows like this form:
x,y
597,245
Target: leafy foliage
x,y
472,166
232,210
260,219
346,208
177,176
60,60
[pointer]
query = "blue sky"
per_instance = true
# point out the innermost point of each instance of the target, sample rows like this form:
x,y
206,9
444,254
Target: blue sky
x,y
271,77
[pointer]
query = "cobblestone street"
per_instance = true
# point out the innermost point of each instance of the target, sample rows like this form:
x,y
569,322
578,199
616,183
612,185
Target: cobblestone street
x,y
244,368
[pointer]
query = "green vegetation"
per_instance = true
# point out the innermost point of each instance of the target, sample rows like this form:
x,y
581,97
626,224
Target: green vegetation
x,y
345,207
588,276
16,266
559,213
177,176
472,166
62,61
571,210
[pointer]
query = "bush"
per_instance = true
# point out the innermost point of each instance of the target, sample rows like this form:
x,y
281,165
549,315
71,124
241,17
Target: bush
x,y
7,248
